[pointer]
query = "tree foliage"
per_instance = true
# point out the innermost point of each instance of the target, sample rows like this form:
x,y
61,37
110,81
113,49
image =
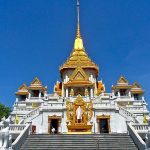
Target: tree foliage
x,y
4,111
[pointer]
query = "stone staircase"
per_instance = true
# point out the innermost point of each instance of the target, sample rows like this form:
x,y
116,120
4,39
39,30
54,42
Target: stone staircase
x,y
79,142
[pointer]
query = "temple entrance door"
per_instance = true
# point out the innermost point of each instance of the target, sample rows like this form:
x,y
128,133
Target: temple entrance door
x,y
104,126
103,122
54,124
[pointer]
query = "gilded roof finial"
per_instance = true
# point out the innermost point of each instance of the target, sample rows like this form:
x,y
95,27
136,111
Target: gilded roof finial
x,y
78,44
78,18
79,57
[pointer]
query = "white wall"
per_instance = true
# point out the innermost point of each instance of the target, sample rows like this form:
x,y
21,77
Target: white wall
x,y
117,122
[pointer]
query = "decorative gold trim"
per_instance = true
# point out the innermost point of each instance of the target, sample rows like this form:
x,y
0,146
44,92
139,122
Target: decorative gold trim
x,y
21,93
75,75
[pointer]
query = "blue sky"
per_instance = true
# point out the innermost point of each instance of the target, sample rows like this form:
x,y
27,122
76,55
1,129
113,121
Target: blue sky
x,y
37,36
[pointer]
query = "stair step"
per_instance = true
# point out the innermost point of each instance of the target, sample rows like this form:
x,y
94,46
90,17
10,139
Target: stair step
x,y
79,142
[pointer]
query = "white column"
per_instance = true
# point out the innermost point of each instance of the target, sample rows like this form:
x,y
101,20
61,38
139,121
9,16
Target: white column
x,y
143,98
113,93
130,94
66,92
91,92
29,95
118,93
16,99
39,94
63,90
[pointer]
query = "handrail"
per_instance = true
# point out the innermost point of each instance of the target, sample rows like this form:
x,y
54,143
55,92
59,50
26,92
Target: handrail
x,y
140,127
127,114
21,138
30,114
136,138
33,112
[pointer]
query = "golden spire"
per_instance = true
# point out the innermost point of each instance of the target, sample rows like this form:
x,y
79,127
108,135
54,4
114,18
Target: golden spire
x,y
78,31
78,44
79,57
78,18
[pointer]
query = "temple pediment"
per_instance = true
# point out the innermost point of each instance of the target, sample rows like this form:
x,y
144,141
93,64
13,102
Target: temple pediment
x,y
122,80
136,85
36,81
23,87
22,90
136,89
36,85
79,75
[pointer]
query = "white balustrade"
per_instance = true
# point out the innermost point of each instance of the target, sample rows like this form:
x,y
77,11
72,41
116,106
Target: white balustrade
x,y
124,98
138,102
141,128
20,102
14,128
54,106
22,109
103,105
32,113
128,115
136,108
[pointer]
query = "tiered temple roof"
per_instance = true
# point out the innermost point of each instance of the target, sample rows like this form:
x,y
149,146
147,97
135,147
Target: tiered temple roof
x,y
79,57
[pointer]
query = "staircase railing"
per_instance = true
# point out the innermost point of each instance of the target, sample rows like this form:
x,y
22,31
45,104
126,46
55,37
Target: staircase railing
x,y
21,138
136,138
127,114
14,128
141,128
29,116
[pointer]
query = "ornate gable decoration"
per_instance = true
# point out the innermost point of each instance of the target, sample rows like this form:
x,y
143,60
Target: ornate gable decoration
x,y
36,85
122,83
122,80
23,87
136,89
36,81
22,90
79,101
78,75
136,85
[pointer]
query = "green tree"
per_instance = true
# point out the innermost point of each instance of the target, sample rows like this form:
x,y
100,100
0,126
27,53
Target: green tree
x,y
4,111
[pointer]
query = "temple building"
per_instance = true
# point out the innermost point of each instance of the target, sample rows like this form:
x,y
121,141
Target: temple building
x,y
79,103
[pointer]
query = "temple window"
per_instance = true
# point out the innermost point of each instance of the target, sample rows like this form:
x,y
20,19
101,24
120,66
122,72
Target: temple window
x,y
136,96
42,94
22,97
35,93
123,92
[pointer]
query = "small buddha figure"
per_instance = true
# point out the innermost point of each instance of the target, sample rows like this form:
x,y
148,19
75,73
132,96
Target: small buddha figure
x,y
72,93
86,92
